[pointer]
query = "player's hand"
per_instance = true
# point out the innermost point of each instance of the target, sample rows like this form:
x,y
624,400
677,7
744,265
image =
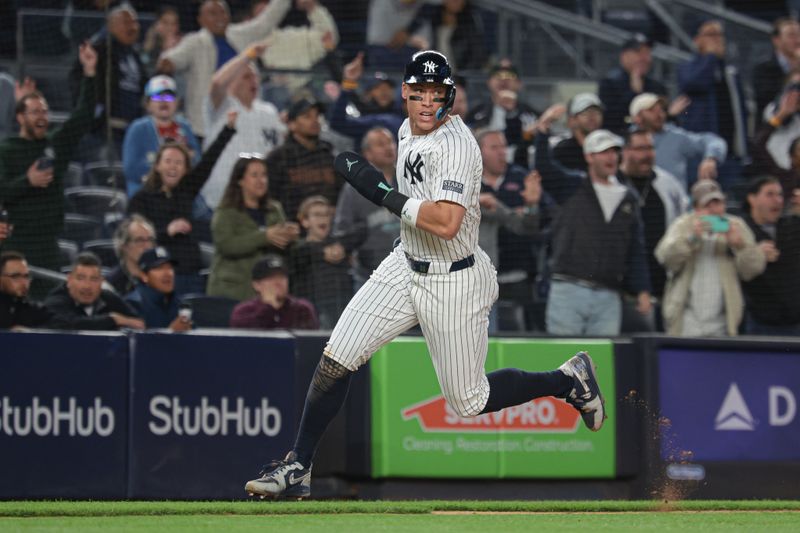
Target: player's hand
x,y
770,251
333,253
707,169
39,178
364,178
179,225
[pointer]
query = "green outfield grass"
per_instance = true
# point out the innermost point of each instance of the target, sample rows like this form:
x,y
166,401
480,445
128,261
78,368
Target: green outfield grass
x,y
362,517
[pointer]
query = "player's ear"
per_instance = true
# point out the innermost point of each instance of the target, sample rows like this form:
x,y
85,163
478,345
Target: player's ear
x,y
404,91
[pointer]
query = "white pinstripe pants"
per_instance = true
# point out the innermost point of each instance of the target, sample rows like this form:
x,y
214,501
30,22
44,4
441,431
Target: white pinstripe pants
x,y
452,310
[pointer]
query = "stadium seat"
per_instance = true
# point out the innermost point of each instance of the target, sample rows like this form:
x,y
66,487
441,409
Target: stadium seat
x,y
210,311
102,203
81,228
207,253
104,249
103,174
68,250
74,175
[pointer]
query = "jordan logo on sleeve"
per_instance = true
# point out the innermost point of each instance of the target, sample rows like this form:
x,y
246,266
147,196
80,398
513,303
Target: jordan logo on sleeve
x,y
413,171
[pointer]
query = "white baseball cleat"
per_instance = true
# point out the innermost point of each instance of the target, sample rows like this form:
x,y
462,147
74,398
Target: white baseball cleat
x,y
285,478
585,395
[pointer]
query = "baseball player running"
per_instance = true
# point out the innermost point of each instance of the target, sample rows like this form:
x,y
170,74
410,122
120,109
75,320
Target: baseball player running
x,y
437,277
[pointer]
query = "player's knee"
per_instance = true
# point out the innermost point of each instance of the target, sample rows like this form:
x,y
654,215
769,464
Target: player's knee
x,y
328,373
463,407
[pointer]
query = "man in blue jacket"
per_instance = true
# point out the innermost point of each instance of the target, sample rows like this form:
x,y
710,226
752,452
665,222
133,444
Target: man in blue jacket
x,y
717,98
154,299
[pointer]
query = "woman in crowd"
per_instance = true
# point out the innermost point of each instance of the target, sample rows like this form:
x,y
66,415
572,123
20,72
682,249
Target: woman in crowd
x,y
167,197
246,225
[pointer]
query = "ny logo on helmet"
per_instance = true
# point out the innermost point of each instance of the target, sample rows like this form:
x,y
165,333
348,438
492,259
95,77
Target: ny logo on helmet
x,y
430,67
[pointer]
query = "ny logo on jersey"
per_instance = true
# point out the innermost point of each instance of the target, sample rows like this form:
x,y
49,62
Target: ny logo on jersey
x,y
430,67
413,171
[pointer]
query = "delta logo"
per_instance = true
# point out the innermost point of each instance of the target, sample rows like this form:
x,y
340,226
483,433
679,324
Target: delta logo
x,y
542,415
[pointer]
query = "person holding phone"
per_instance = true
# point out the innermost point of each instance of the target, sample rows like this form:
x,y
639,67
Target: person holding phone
x,y
32,167
706,253
248,224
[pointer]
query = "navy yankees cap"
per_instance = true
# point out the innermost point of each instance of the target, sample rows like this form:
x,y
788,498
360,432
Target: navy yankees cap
x,y
269,265
298,107
155,257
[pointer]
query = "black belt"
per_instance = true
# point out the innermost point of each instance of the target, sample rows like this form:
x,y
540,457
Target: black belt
x,y
579,281
423,266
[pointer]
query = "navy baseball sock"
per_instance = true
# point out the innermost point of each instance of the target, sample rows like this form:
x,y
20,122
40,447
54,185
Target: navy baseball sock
x,y
512,386
326,395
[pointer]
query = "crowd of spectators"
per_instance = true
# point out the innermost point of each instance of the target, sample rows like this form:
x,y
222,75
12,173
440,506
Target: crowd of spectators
x,y
650,212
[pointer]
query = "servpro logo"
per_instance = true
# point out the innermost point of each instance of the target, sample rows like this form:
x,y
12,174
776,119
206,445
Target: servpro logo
x,y
543,415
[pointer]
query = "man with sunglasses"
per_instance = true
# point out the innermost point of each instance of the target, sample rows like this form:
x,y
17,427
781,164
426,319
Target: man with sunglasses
x,y
145,135
16,310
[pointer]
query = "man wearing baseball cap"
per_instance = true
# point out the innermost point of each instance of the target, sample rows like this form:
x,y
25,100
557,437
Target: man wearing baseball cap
x,y
675,146
706,253
598,243
154,298
585,112
274,307
303,165
506,110
627,80
145,135
378,105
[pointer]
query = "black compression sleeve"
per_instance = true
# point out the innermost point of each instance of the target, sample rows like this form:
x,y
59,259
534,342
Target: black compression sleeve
x,y
394,201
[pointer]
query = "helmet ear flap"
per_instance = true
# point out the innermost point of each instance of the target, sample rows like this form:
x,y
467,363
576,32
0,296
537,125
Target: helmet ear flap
x,y
449,100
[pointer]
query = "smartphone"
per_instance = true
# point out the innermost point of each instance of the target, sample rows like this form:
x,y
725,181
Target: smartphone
x,y
717,223
45,163
185,312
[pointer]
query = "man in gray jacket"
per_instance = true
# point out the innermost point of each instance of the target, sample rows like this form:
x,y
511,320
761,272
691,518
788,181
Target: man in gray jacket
x,y
372,227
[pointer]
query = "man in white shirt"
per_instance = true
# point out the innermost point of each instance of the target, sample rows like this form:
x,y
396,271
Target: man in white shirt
x,y
259,128
201,53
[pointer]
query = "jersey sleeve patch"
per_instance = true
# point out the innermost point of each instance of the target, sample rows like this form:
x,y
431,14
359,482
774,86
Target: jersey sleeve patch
x,y
453,186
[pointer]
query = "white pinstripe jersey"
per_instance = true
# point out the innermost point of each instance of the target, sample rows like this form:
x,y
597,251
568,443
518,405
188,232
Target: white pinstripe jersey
x,y
442,165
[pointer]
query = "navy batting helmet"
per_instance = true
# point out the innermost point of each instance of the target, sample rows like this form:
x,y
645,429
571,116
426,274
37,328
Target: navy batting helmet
x,y
430,66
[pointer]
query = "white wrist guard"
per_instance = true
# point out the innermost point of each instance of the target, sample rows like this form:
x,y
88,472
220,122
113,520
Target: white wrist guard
x,y
410,212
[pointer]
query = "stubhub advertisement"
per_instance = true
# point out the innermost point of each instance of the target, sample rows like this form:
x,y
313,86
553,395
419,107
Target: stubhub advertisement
x,y
729,405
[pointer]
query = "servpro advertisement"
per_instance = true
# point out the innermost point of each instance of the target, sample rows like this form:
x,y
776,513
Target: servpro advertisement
x,y
415,433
